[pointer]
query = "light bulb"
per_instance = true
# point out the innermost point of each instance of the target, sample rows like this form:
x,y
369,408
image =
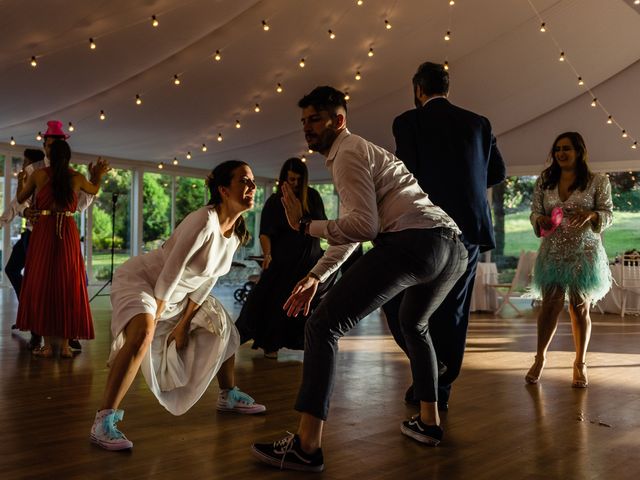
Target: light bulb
x,y
561,57
301,63
447,36
188,155
580,81
446,65
238,124
154,21
138,100
624,134
332,35
347,96
359,3
370,52
33,62
594,102
358,76
265,27
12,141
610,120
310,151
176,79
635,145
175,161
39,136
218,56
452,2
204,147
219,137
543,27
256,108
160,165
92,44
279,88
387,25
102,115
303,158
71,127
636,2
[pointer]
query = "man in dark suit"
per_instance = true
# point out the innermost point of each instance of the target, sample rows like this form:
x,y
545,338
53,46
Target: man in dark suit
x,y
454,156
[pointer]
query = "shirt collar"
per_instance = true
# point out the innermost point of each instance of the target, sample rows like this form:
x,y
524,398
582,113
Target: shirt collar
x,y
433,98
336,145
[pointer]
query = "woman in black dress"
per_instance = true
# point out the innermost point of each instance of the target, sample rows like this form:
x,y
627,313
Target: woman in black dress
x,y
288,256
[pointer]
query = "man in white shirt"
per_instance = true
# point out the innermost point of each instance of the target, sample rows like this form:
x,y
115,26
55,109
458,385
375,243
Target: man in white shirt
x,y
416,250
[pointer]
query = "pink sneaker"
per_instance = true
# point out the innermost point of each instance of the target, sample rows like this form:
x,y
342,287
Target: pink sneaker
x,y
237,401
105,433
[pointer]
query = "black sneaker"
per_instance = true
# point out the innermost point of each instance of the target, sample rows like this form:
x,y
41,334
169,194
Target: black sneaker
x,y
74,344
429,434
287,454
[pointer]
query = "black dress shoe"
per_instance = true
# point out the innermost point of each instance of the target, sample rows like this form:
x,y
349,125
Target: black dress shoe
x,y
75,345
35,341
443,406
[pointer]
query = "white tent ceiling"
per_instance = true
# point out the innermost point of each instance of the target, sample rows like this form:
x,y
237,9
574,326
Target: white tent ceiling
x,y
501,66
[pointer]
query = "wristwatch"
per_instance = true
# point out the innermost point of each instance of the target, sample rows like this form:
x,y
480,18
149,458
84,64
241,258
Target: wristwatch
x,y
303,223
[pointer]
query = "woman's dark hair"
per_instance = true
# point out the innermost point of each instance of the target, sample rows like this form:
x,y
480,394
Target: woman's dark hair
x,y
295,165
221,176
59,156
33,155
551,175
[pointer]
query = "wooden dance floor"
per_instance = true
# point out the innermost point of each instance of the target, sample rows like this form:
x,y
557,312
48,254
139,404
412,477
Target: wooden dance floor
x,y
496,428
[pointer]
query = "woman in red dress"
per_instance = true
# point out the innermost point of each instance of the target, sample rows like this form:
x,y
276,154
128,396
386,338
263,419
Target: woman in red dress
x,y
54,301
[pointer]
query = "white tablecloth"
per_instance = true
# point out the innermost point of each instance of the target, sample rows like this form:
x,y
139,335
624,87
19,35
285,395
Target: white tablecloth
x,y
612,302
484,298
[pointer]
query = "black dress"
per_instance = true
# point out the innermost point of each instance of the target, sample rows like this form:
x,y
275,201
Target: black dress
x,y
293,255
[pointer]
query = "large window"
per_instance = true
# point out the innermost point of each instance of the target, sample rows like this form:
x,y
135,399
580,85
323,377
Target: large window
x,y
190,196
624,234
156,209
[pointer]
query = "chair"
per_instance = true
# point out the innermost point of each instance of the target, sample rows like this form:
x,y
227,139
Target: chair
x,y
521,280
630,281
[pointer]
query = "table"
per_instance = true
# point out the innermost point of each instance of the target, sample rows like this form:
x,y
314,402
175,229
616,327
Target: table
x,y
612,302
484,298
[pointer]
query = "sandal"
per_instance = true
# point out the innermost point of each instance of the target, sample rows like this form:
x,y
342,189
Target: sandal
x,y
43,352
580,375
533,375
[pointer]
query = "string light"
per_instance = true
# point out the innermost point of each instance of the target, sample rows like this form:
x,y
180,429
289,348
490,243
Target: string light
x,y
636,2
580,81
303,158
610,120
446,65
188,155
12,142
387,25
218,56
175,161
161,165
39,136
310,151
358,76
34,64
176,79
71,127
359,3
635,145
265,27
219,137
204,147
257,108
138,100
102,115
543,27
347,97
624,134
92,44
301,63
370,54
594,102
561,57
238,124
332,35
452,2
154,21
279,88
447,36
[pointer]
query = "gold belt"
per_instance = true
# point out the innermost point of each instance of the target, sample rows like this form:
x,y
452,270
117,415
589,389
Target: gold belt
x,y
59,219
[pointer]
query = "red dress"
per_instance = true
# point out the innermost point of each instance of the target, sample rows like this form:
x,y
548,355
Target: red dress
x,y
53,299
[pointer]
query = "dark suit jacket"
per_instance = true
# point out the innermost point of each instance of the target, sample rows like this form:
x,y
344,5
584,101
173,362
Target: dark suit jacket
x,y
454,156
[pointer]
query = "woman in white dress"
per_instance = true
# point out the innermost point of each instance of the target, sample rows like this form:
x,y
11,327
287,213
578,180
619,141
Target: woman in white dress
x,y
164,320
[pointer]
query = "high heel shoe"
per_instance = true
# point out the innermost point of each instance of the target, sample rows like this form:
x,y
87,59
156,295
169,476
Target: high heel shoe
x,y
580,375
43,352
533,375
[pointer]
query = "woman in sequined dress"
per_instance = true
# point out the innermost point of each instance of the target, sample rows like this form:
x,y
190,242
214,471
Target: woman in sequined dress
x,y
571,260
